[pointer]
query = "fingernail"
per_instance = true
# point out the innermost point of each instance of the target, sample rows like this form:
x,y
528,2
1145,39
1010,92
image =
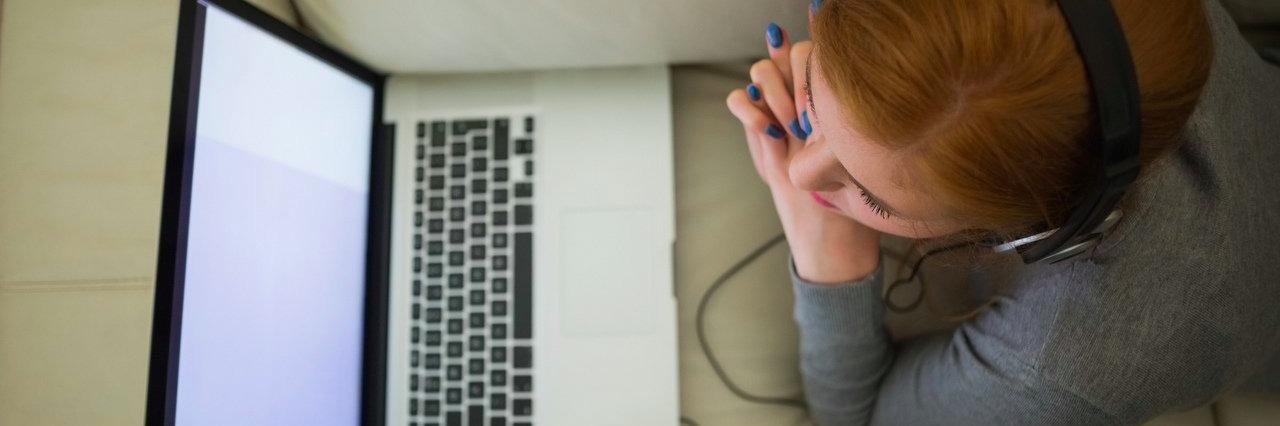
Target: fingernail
x,y
814,5
774,131
804,123
753,92
795,128
774,34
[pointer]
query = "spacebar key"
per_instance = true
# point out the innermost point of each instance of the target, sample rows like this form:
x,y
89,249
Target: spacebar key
x,y
523,286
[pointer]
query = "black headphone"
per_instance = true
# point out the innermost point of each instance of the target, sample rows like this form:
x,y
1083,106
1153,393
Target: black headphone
x,y
1114,84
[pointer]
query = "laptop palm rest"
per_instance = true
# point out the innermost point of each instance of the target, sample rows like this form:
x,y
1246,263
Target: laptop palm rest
x,y
607,272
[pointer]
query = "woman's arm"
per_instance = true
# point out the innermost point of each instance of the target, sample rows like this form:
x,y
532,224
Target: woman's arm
x,y
854,375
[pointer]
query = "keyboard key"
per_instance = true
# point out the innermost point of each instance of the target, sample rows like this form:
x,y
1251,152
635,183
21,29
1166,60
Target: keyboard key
x,y
417,196
477,230
456,236
475,389
417,242
497,421
457,214
454,418
413,405
500,218
434,270
437,182
431,384
417,287
454,349
498,354
457,192
461,127
499,240
437,133
431,407
475,366
524,190
477,321
478,208
499,285
419,174
477,275
420,151
523,357
479,164
455,304
422,129
528,124
478,186
524,146
433,338
477,298
432,361
499,263
522,407
435,292
528,167
417,264
479,143
458,170
501,174
434,315
458,149
436,204
498,332
500,143
498,378
523,383
475,413
415,336
414,358
413,382
437,161
499,308
477,252
454,372
455,281
500,196
435,247
435,226
417,218
455,326
453,395
456,258
524,215
498,401
523,292
417,310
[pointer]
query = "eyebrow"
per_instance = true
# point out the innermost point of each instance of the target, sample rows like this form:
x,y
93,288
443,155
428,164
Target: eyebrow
x,y
808,94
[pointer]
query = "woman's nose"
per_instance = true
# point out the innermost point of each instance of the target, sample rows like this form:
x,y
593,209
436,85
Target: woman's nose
x,y
814,168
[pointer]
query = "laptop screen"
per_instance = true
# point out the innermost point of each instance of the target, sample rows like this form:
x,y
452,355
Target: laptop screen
x,y
272,311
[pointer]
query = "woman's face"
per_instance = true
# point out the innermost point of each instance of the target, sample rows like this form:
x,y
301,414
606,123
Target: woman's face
x,y
858,176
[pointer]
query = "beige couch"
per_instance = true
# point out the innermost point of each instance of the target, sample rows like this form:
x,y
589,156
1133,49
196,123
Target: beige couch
x,y
84,92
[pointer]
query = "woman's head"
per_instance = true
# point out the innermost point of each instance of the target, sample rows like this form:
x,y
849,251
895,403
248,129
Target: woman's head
x,y
933,117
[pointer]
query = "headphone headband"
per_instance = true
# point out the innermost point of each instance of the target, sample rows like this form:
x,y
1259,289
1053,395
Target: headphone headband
x,y
1114,87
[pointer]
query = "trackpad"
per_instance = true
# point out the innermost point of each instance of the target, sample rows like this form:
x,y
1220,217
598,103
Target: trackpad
x,y
607,265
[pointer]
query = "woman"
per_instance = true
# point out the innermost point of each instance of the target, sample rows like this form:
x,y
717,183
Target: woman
x,y
945,120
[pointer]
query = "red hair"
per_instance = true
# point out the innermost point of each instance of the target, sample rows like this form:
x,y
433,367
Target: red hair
x,y
986,103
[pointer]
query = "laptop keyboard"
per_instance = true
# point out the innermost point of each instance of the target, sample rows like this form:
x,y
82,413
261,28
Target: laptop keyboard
x,y
471,349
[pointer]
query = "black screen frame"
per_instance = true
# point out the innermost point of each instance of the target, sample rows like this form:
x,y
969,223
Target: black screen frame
x,y
166,323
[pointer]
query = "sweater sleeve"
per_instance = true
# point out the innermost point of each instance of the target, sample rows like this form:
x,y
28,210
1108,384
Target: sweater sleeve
x,y
854,375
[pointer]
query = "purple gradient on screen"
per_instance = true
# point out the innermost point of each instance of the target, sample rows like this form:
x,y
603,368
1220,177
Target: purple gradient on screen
x,y
273,304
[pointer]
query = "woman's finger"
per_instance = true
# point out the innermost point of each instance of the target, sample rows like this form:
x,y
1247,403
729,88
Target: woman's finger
x,y
759,129
779,50
777,95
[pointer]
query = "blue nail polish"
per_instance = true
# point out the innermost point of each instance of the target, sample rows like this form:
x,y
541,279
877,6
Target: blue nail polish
x,y
753,91
804,122
795,128
774,131
814,5
774,34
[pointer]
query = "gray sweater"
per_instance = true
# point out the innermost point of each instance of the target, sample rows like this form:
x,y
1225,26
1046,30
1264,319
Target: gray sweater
x,y
1179,305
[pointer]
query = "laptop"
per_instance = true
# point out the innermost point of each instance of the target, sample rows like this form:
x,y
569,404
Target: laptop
x,y
341,247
